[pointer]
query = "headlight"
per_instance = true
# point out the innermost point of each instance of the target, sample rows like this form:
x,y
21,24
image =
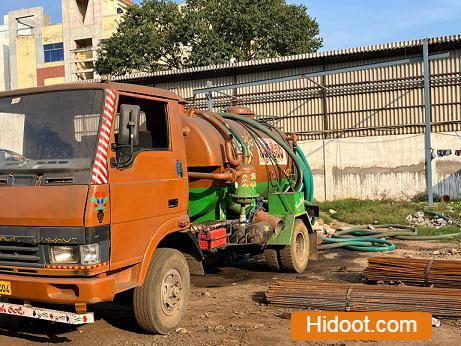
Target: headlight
x,y
64,254
89,254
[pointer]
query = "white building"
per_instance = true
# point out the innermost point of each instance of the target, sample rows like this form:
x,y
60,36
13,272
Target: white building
x,y
4,55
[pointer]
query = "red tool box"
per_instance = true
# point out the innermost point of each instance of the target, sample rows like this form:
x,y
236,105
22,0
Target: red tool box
x,y
213,239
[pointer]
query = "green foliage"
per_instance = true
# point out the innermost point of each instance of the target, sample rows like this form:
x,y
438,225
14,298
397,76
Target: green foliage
x,y
161,35
243,30
146,40
363,212
424,230
326,217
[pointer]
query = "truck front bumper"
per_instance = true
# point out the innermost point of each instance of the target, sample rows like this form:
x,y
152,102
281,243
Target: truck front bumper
x,y
69,290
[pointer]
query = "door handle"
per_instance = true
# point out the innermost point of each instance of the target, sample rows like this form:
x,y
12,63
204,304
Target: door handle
x,y
173,203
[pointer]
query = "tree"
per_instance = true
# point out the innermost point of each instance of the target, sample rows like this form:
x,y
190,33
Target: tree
x,y
145,41
242,30
162,35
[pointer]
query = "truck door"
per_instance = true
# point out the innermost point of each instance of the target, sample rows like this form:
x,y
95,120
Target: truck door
x,y
150,195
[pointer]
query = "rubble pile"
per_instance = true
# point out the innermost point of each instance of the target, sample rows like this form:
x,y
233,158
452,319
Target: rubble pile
x,y
323,229
425,219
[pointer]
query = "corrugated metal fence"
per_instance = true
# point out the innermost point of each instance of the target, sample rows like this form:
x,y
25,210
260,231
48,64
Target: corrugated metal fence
x,y
362,103
374,102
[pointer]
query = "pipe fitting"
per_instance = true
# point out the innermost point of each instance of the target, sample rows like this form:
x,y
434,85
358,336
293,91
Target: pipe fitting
x,y
230,175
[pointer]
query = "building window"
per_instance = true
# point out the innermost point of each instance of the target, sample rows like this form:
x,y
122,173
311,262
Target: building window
x,y
54,52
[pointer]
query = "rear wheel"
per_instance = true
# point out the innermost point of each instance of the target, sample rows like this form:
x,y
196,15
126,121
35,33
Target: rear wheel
x,y
294,257
161,301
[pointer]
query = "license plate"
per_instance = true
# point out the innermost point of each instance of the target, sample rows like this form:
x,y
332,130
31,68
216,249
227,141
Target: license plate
x,y
5,288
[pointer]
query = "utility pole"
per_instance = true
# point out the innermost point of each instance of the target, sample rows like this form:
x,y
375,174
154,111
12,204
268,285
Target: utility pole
x,y
209,96
427,114
325,135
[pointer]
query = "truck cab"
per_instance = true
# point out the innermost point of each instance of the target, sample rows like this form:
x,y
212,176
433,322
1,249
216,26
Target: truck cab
x,y
68,233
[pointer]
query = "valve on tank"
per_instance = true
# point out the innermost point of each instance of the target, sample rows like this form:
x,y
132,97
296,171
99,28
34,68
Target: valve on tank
x,y
245,194
245,189
239,110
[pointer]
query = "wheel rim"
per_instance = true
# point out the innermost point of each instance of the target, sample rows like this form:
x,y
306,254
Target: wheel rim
x,y
172,292
300,246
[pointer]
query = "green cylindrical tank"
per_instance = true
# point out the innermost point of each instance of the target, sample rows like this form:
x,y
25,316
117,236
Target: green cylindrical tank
x,y
266,168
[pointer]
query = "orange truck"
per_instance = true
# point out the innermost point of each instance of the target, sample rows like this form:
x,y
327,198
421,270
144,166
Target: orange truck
x,y
106,188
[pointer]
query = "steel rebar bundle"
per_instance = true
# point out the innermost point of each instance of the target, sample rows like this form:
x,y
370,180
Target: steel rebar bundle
x,y
441,302
416,272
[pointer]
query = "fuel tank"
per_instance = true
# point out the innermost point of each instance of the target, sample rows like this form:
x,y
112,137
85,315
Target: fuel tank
x,y
208,151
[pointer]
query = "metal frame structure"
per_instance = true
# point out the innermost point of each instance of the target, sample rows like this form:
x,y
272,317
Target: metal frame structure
x,y
427,115
425,58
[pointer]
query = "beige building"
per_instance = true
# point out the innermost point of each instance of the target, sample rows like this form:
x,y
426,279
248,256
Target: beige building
x,y
36,52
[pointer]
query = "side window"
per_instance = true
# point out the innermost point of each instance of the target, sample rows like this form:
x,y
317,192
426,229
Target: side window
x,y
154,129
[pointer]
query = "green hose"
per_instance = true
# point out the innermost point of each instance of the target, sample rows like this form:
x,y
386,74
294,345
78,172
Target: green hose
x,y
367,244
308,180
263,129
362,238
239,139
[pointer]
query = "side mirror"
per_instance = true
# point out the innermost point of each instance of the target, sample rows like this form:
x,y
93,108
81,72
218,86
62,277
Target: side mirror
x,y
128,127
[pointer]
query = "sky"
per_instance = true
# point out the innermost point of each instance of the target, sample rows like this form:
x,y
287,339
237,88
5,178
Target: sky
x,y
346,23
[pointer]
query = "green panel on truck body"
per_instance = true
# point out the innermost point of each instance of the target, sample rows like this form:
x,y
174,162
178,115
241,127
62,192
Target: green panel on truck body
x,y
284,203
210,204
206,204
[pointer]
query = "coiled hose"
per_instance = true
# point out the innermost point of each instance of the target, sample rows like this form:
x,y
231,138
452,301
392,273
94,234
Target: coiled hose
x,y
267,132
370,239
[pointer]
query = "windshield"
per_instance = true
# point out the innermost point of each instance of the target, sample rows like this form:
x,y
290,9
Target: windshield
x,y
52,130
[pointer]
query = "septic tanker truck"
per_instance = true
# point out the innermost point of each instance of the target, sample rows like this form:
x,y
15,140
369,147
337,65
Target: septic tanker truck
x,y
107,188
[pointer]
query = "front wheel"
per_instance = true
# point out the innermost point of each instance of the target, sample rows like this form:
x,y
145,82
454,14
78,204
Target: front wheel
x,y
161,301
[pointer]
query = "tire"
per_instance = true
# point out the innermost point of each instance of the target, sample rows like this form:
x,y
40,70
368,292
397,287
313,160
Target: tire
x,y
272,259
295,256
161,301
195,266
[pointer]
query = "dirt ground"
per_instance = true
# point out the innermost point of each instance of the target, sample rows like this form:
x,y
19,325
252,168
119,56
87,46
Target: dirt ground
x,y
227,308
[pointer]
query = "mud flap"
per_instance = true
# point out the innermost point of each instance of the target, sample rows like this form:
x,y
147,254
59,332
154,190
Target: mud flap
x,y
313,252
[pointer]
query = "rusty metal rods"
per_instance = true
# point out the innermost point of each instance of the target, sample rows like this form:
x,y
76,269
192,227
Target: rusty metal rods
x,y
416,272
441,302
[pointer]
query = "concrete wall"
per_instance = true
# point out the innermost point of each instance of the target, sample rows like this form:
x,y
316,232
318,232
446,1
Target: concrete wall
x,y
52,34
26,75
382,166
112,18
50,75
110,6
77,28
26,48
110,25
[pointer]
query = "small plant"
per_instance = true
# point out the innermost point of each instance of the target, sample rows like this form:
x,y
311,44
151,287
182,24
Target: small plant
x,y
422,197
